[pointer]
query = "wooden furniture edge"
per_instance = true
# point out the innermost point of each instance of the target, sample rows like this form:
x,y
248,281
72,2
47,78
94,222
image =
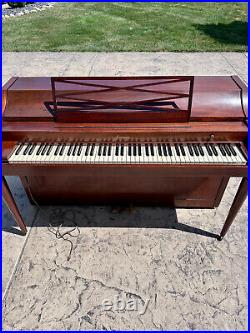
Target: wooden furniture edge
x,y
5,89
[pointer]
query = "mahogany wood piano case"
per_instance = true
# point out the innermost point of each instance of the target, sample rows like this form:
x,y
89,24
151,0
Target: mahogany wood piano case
x,y
130,109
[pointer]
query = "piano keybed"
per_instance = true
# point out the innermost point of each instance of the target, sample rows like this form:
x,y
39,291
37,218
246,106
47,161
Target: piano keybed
x,y
128,153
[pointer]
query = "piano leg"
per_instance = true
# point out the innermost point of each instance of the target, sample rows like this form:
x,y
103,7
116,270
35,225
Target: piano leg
x,y
237,203
10,202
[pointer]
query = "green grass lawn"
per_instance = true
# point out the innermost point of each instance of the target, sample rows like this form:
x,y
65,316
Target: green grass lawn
x,y
130,27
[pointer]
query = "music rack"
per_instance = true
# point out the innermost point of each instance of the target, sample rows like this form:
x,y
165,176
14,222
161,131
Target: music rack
x,y
130,99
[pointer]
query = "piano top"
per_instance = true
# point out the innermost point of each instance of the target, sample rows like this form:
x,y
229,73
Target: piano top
x,y
214,98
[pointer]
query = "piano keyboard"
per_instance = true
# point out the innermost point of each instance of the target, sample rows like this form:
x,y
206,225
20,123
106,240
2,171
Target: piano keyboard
x,y
128,153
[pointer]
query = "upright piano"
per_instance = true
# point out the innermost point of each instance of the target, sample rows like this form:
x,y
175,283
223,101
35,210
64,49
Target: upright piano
x,y
165,140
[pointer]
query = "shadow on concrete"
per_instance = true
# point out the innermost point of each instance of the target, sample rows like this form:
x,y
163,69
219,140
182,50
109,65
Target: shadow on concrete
x,y
111,217
232,33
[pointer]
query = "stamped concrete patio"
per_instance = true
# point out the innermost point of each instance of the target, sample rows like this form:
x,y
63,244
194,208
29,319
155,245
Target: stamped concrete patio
x,y
165,261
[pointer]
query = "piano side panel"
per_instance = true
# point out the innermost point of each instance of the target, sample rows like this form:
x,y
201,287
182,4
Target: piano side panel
x,y
121,188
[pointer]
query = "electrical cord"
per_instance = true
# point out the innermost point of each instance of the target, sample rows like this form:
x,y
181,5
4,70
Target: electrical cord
x,y
56,229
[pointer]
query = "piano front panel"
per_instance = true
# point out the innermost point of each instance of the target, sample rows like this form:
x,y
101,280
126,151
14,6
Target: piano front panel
x,y
144,186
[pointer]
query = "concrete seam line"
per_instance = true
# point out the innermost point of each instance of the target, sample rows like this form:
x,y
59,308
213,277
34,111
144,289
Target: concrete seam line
x,y
228,62
18,259
93,63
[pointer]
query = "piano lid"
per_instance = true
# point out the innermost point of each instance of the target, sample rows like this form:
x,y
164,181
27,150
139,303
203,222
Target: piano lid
x,y
212,98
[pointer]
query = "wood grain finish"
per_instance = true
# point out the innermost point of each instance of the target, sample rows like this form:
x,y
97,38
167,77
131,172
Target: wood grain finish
x,y
236,205
214,98
145,187
218,114
10,202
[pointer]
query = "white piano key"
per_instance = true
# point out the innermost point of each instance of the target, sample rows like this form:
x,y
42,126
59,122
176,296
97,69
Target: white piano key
x,y
183,157
188,157
97,159
156,158
199,158
23,157
112,159
210,159
87,154
222,159
237,158
175,157
63,159
93,153
105,157
206,159
115,158
50,157
145,157
165,158
109,153
125,155
121,158
32,157
13,158
240,156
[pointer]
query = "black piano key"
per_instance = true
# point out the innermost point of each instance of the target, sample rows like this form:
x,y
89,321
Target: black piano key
x,y
75,149
49,150
228,151
117,149
32,149
159,149
164,148
182,150
100,150
209,151
201,150
109,149
79,151
70,150
214,150
232,150
177,149
26,150
169,150
139,149
152,149
57,150
129,150
63,146
196,150
40,149
44,149
19,149
92,149
146,149
190,149
87,149
134,149
104,152
122,149
222,150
